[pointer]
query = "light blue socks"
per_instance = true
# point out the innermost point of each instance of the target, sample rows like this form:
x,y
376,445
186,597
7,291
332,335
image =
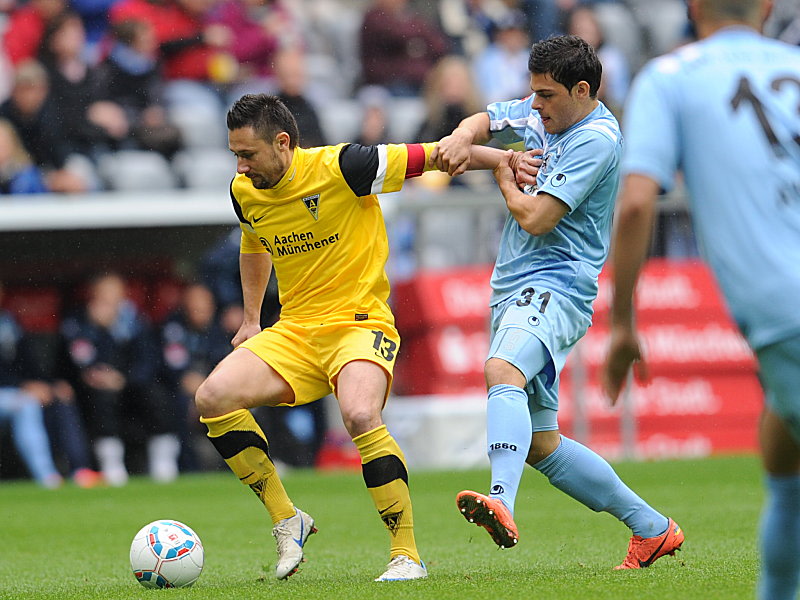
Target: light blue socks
x,y
780,539
573,468
586,476
508,433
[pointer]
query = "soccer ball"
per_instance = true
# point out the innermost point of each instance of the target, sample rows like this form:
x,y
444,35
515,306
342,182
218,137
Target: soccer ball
x,y
166,554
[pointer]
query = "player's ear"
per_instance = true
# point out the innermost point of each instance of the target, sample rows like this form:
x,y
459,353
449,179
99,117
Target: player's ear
x,y
582,89
283,140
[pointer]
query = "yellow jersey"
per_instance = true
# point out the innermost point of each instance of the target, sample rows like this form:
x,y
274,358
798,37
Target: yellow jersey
x,y
322,224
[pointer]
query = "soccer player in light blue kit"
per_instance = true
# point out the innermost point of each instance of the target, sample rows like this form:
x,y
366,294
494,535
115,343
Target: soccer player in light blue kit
x,y
553,245
724,111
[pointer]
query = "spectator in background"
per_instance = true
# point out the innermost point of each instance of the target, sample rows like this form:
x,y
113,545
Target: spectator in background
x,y
398,47
94,14
296,433
259,30
450,96
130,78
36,119
90,125
190,48
196,63
469,23
582,21
192,343
26,26
20,406
67,431
546,17
374,101
290,76
219,270
113,363
501,69
18,174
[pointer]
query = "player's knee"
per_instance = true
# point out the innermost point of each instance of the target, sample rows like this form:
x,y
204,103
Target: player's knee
x,y
498,371
543,444
360,419
210,398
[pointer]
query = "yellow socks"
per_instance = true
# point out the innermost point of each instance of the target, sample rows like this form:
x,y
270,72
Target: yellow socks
x,y
386,476
240,441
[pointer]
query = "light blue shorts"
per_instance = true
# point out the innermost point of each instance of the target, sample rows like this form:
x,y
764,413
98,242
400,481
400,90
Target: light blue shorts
x,y
534,330
780,375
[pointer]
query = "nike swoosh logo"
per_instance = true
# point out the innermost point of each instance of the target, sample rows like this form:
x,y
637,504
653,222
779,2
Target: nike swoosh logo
x,y
258,219
380,512
300,541
646,563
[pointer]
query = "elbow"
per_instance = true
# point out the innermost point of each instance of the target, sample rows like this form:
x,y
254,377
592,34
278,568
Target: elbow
x,y
632,213
536,226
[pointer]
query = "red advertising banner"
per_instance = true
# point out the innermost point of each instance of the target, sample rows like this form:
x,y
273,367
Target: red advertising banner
x,y
703,396
434,299
668,291
711,346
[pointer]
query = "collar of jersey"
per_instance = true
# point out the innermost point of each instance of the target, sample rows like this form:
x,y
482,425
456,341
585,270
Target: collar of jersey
x,y
736,30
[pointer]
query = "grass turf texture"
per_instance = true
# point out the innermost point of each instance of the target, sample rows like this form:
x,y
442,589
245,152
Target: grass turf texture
x,y
73,543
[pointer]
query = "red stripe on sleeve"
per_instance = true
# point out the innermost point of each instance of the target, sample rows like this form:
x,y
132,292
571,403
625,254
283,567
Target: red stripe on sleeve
x,y
416,160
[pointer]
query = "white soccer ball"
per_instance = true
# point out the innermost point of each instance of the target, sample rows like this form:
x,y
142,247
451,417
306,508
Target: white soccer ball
x,y
166,554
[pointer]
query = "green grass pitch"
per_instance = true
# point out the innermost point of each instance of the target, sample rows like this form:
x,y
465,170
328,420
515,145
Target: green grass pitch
x,y
72,544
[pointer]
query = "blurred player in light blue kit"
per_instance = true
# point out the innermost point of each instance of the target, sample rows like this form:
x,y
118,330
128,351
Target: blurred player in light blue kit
x,y
724,111
554,243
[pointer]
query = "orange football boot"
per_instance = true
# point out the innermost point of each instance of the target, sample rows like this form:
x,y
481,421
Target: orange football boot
x,y
643,552
491,514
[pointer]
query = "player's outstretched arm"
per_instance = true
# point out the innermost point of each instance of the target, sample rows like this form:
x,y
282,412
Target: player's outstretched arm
x,y
452,154
537,214
631,240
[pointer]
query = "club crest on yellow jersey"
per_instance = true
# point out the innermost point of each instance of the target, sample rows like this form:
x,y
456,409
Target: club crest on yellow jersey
x,y
312,204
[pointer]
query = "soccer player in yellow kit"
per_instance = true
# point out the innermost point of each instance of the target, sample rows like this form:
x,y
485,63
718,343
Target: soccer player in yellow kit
x,y
313,214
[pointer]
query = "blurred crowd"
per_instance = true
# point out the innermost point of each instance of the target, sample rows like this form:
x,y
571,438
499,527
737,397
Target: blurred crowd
x,y
131,94
97,381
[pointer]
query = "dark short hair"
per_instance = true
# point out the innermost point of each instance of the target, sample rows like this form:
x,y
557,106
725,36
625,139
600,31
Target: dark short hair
x,y
568,59
266,114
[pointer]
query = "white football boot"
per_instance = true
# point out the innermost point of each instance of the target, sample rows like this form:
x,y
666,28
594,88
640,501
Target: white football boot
x,y
402,568
291,535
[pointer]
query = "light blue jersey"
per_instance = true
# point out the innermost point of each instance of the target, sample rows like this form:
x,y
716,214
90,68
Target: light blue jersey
x,y
580,168
544,286
729,105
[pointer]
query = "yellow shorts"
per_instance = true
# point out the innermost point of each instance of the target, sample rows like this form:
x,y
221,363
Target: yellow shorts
x,y
309,356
